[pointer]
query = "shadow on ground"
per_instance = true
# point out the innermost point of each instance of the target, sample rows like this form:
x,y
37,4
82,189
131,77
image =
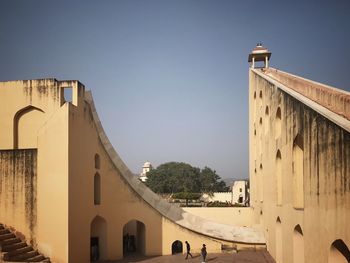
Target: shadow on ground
x,y
261,256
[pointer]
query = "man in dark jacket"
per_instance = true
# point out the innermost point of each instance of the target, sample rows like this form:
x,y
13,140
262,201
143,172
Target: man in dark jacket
x,y
188,249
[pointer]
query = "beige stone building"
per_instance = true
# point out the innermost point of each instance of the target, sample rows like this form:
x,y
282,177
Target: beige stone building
x,y
299,144
65,191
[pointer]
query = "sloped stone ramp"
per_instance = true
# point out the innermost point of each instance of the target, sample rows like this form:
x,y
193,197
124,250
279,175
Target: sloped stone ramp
x,y
202,226
14,249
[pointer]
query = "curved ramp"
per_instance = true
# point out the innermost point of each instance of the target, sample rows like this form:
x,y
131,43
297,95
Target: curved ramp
x,y
175,214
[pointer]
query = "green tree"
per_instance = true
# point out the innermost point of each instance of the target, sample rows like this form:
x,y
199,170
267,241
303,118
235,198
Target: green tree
x,y
211,181
175,177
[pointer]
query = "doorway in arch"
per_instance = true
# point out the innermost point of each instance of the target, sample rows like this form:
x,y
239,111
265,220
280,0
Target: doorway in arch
x,y
176,247
98,239
134,238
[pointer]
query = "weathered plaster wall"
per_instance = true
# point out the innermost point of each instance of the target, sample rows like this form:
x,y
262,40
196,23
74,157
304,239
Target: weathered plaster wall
x,y
235,216
334,99
119,202
34,115
172,232
325,166
52,234
69,139
18,191
26,105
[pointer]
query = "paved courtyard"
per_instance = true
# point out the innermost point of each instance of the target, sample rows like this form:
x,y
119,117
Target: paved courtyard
x,y
261,256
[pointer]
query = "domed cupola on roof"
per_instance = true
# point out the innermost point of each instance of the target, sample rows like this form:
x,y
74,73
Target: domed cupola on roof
x,y
259,53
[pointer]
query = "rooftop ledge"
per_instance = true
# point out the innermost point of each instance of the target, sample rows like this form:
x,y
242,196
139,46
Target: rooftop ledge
x,y
330,102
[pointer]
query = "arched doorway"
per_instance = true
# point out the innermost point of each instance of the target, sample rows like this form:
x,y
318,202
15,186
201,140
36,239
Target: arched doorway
x,y
176,247
26,124
339,252
278,241
298,245
134,238
98,239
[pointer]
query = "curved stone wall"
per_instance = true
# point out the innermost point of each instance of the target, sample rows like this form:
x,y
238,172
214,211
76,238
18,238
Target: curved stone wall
x,y
172,212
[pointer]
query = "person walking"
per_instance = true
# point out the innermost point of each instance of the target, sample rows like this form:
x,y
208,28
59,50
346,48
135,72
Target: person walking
x,y
204,253
188,249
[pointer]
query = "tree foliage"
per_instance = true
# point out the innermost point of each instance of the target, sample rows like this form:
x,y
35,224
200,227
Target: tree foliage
x,y
176,177
187,196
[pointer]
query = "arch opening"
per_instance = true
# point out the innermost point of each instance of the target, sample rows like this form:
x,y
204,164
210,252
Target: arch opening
x,y
26,124
176,247
278,123
261,182
278,171
267,123
98,239
134,238
339,252
254,105
298,172
260,130
278,241
97,161
298,245
260,100
97,189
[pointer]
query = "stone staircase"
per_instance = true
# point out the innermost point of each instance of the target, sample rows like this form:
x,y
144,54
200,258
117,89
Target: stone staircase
x,y
13,249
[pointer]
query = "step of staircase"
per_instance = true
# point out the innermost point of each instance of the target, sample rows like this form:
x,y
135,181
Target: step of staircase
x,y
24,256
6,236
10,241
13,249
4,231
16,252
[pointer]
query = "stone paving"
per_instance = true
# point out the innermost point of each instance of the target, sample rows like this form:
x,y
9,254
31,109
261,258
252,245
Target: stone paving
x,y
247,256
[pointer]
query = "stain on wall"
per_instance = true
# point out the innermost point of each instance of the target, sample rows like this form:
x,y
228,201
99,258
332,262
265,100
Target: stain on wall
x,y
18,191
325,169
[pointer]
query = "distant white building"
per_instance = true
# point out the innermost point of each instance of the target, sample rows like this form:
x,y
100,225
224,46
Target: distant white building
x,y
240,192
238,195
218,197
147,166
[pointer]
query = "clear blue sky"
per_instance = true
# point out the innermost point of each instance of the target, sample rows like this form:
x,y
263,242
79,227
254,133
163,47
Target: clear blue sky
x,y
170,78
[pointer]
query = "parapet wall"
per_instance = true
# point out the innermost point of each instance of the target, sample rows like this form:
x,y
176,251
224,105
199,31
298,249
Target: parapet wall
x,y
333,99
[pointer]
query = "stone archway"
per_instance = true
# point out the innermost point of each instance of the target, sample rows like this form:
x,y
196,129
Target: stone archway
x,y
26,124
134,238
98,239
176,247
298,245
339,252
